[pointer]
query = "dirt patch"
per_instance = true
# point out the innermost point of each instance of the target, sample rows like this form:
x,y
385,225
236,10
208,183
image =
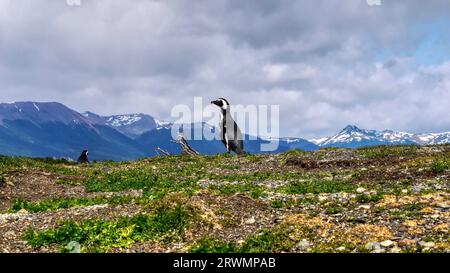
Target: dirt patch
x,y
14,226
35,186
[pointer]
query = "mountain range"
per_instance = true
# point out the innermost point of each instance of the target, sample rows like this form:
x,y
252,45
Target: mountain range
x,y
354,137
53,130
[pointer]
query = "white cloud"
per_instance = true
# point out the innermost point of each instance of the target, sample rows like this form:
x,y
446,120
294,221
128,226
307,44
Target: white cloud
x,y
326,63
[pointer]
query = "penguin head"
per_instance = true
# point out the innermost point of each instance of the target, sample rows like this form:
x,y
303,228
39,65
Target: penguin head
x,y
222,103
86,152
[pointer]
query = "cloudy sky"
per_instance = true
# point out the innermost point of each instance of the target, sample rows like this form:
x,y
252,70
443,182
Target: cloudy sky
x,y
327,63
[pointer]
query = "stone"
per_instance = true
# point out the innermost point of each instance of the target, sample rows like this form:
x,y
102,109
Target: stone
x,y
405,191
406,243
387,243
360,190
372,246
250,221
366,207
396,250
9,234
341,248
74,247
426,244
443,205
322,198
23,211
303,245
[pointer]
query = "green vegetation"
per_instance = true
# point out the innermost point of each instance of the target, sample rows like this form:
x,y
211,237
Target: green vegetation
x,y
300,201
387,151
212,245
64,203
440,166
165,223
318,186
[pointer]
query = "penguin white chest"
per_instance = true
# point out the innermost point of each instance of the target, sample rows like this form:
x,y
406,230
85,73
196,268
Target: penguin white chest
x,y
223,124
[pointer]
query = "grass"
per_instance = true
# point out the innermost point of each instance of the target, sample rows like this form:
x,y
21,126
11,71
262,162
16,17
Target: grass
x,y
387,151
440,166
64,203
213,245
248,187
317,186
167,222
167,183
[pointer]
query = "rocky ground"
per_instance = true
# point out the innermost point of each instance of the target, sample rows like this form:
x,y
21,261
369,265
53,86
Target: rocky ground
x,y
379,199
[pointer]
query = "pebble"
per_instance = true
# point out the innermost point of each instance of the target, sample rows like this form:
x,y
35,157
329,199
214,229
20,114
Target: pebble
x,y
367,207
386,243
303,245
74,247
396,250
360,190
443,205
23,211
426,244
322,198
9,234
404,191
435,216
250,221
372,246
341,248
406,242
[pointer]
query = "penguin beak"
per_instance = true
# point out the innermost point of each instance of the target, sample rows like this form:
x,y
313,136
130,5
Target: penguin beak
x,y
215,102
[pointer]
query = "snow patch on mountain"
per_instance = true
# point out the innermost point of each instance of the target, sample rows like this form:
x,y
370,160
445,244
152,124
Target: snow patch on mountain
x,y
352,136
161,124
123,120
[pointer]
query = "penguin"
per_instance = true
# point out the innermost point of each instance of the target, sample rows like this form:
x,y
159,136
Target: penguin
x,y
83,157
230,133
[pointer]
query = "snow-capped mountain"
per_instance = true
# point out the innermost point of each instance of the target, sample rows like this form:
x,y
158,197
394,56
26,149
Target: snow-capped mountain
x,y
40,112
131,125
161,124
353,137
53,130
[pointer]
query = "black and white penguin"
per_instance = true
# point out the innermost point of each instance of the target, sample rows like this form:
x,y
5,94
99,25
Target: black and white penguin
x,y
83,157
230,133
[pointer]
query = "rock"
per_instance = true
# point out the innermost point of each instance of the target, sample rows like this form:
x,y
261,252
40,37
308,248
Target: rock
x,y
405,191
426,244
395,250
74,247
387,243
322,198
366,207
303,245
9,234
360,190
23,211
250,221
443,205
406,243
435,216
341,248
9,183
372,246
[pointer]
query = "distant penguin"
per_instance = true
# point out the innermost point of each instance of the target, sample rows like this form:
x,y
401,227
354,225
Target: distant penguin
x,y
230,133
83,157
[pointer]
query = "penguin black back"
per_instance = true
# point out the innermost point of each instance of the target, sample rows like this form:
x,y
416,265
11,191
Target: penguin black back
x,y
83,159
